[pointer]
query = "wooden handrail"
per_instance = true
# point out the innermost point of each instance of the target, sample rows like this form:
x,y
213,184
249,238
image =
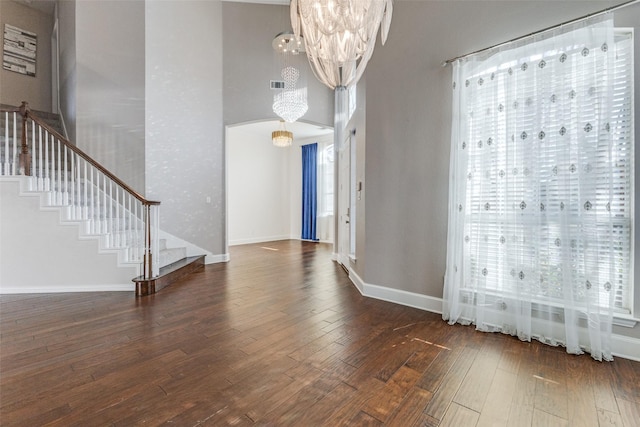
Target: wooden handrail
x,y
26,112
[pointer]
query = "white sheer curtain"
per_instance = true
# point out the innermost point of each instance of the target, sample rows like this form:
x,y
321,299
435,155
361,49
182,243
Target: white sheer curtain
x,y
540,192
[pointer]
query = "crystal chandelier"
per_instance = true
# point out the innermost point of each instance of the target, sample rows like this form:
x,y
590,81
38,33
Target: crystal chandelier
x,y
282,137
290,103
340,35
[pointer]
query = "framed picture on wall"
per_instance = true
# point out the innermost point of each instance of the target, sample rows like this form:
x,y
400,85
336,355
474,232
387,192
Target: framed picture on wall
x,y
19,50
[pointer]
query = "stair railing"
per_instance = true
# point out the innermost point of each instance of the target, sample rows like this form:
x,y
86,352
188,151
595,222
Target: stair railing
x,y
106,206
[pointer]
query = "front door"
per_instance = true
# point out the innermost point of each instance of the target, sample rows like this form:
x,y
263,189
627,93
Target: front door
x,y
344,202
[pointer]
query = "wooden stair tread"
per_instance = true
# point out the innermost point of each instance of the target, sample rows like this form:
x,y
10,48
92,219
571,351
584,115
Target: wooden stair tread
x,y
168,275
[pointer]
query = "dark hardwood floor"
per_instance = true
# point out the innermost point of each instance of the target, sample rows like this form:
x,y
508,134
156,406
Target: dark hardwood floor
x,y
280,337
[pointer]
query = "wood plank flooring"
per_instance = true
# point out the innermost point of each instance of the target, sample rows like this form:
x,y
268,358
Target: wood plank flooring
x,y
280,337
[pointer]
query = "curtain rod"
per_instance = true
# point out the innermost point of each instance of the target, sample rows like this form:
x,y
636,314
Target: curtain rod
x,y
582,18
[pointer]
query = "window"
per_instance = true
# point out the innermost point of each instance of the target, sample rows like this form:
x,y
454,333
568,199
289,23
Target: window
x,y
353,103
541,197
504,182
325,176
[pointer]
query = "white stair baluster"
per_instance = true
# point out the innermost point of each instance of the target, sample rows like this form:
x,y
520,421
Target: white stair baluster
x,y
129,229
53,190
74,189
59,189
111,242
85,204
105,228
40,162
134,251
98,214
34,178
92,211
46,160
5,165
117,229
80,205
74,202
15,144
123,216
65,198
52,171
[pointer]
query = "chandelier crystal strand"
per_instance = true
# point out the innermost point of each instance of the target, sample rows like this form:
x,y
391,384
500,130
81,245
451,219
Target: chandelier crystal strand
x,y
340,35
290,103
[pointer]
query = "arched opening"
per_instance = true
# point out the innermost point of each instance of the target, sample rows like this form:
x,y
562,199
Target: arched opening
x,y
264,182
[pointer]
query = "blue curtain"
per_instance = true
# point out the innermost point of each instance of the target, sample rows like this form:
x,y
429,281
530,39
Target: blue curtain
x,y
309,191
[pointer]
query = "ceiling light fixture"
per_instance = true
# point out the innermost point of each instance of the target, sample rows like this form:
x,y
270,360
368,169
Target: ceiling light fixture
x,y
290,102
340,35
282,137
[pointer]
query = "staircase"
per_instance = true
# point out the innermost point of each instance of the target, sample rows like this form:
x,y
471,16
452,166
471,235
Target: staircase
x,y
103,209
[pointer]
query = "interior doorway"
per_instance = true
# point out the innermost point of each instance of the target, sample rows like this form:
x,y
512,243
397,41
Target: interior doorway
x,y
264,182
345,238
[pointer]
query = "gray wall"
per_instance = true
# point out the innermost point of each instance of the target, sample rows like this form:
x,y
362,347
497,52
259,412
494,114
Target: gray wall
x,y
67,65
630,17
408,126
184,132
110,90
248,30
15,87
102,83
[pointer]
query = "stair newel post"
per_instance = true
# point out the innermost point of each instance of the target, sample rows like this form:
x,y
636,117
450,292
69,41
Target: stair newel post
x,y
151,262
24,165
148,256
155,239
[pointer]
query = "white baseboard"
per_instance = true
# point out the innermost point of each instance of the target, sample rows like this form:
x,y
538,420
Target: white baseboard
x,y
355,279
397,296
69,289
214,259
625,347
621,345
258,240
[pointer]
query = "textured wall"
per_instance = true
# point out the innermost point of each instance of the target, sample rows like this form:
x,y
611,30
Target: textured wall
x,y
184,132
15,87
